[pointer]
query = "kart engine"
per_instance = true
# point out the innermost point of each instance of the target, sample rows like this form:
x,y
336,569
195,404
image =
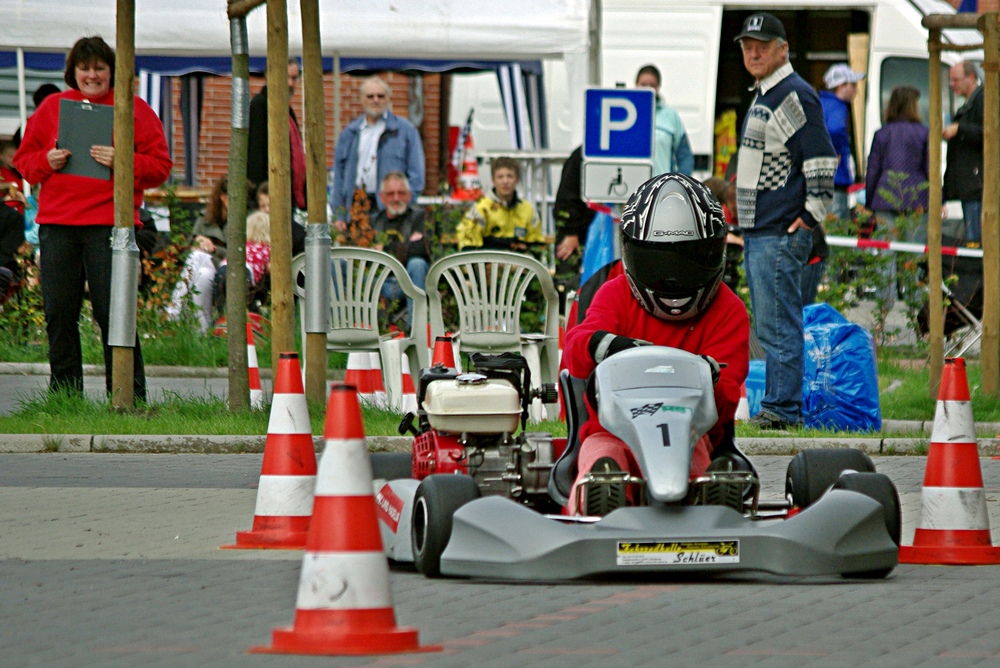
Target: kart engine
x,y
468,421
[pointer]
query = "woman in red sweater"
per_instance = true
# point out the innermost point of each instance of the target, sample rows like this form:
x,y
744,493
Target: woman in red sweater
x,y
76,213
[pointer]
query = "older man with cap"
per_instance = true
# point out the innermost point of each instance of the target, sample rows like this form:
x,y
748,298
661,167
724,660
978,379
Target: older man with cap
x,y
842,86
784,184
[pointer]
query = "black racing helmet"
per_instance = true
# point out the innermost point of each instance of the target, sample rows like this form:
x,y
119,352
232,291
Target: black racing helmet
x,y
673,246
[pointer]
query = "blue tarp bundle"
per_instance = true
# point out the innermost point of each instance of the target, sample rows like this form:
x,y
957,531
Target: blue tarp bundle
x,y
840,384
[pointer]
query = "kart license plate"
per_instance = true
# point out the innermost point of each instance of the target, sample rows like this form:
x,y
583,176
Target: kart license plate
x,y
678,553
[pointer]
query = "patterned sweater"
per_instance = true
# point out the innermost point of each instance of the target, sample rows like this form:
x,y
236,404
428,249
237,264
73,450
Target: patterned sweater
x,y
786,160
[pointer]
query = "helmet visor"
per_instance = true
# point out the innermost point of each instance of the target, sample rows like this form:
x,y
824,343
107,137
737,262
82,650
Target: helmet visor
x,y
677,269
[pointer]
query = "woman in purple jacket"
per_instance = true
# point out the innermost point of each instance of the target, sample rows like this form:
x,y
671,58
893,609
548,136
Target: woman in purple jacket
x,y
896,183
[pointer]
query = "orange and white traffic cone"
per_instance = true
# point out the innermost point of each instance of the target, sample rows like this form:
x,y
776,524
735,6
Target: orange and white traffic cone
x,y
344,603
256,390
743,408
409,404
375,368
288,473
444,353
954,522
359,375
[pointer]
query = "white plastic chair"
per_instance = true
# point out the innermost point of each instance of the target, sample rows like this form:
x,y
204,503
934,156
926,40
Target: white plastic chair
x,y
357,276
489,289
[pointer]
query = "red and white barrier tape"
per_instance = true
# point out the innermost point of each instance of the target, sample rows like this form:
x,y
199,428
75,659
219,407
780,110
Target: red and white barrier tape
x,y
853,242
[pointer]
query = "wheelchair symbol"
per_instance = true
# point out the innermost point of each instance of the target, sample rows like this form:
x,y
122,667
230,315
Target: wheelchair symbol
x,y
618,187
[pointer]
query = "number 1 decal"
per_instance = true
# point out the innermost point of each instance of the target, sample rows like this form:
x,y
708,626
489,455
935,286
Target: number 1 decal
x,y
665,430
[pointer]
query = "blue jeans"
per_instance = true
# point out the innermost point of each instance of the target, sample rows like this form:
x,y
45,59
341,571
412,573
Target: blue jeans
x,y
972,212
416,268
812,276
773,267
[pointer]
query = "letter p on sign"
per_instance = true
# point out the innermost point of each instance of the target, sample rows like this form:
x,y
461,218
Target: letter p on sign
x,y
618,124
608,125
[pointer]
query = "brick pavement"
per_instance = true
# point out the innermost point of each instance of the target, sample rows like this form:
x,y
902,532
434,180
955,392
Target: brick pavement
x,y
112,560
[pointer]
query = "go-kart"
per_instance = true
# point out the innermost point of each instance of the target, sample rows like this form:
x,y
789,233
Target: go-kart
x,y
477,498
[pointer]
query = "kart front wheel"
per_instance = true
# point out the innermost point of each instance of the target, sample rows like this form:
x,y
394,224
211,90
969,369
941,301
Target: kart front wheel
x,y
879,487
391,465
436,500
812,472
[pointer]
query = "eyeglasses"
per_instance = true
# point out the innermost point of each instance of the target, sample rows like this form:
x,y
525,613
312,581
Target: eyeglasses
x,y
375,96
396,193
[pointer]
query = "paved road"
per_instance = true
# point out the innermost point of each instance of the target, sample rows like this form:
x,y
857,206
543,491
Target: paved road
x,y
113,560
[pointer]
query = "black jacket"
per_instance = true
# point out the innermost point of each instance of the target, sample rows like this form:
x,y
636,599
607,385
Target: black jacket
x,y
395,234
257,168
963,178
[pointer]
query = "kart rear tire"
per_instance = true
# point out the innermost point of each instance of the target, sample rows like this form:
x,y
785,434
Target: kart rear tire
x,y
392,465
437,498
879,487
812,472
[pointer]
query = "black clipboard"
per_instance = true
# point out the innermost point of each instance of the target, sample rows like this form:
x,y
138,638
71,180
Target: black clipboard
x,y
81,126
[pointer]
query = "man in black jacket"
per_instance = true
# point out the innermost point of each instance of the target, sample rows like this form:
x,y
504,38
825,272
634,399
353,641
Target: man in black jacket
x,y
257,168
963,178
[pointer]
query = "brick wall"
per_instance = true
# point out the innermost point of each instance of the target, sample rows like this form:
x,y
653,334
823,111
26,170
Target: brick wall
x,y
213,148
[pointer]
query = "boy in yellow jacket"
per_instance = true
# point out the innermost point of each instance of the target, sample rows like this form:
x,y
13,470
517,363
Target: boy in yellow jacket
x,y
501,220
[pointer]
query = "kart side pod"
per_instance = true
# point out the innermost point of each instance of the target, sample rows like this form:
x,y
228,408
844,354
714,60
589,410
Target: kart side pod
x,y
660,401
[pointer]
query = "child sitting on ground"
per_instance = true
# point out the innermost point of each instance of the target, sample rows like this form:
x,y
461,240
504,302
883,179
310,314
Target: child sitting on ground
x,y
258,245
501,220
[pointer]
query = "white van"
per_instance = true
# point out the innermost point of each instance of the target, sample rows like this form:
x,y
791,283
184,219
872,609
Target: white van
x,y
703,74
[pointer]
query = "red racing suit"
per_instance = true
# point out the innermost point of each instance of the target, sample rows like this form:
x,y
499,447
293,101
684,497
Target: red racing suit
x,y
722,331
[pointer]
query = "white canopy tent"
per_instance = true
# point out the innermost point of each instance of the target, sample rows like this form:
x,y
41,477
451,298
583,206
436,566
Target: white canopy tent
x,y
193,35
511,30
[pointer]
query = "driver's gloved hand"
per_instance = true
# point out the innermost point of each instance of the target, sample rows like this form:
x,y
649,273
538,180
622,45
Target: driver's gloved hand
x,y
605,344
716,368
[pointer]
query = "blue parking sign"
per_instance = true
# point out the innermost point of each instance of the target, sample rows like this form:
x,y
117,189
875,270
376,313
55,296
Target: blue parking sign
x,y
618,123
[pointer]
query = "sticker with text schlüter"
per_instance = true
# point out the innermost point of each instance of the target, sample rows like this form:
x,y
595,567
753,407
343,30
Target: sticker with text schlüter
x,y
678,553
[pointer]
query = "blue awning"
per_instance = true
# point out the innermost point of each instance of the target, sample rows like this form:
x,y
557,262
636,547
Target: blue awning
x,y
222,65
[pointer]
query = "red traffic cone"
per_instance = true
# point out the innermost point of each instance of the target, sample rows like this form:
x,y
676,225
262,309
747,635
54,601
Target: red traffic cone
x,y
344,603
409,404
470,187
954,522
288,473
375,368
359,375
256,390
444,352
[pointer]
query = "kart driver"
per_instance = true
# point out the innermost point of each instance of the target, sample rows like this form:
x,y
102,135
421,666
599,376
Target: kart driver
x,y
673,253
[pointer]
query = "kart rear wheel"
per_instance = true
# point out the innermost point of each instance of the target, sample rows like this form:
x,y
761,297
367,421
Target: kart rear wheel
x,y
812,472
392,465
879,487
436,500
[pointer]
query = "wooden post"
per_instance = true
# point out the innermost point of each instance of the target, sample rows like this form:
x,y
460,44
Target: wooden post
x,y
990,342
934,295
315,144
857,58
279,182
236,219
123,357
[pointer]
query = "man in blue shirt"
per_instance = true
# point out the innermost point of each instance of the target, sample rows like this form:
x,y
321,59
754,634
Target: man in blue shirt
x,y
784,184
842,86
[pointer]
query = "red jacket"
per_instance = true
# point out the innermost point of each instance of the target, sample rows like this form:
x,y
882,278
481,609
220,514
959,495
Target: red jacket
x,y
721,331
78,200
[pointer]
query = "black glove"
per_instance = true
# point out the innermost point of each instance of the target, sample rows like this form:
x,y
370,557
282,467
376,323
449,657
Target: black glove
x,y
715,366
605,344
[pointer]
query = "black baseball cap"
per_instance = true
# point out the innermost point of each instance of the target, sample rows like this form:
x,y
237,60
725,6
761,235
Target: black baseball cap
x,y
762,27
